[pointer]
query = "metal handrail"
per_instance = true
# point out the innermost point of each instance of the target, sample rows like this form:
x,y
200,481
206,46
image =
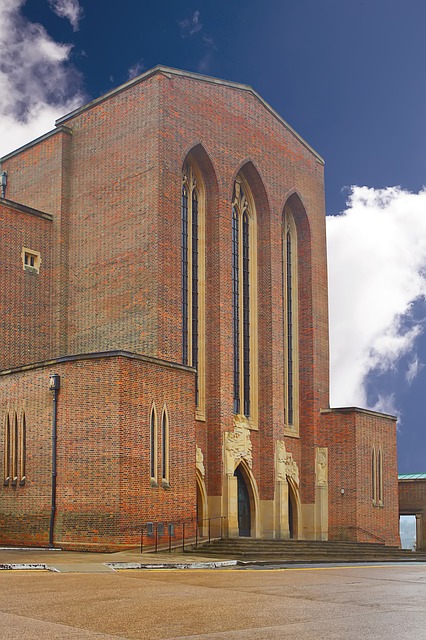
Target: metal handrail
x,y
368,533
171,527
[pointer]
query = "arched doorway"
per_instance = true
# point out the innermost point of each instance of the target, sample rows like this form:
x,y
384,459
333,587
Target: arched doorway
x,y
202,510
244,507
293,513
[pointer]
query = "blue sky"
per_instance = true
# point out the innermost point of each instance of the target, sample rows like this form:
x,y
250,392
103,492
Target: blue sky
x,y
348,75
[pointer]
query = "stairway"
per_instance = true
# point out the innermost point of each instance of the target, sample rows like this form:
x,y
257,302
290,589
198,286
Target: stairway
x,y
305,551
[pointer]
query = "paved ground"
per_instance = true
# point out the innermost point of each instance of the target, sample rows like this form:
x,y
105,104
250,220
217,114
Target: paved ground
x,y
84,562
340,603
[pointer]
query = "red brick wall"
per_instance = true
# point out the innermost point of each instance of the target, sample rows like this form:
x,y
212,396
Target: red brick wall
x,y
25,300
350,435
104,493
113,230
35,175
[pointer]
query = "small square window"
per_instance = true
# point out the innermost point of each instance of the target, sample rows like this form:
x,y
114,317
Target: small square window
x,y
31,260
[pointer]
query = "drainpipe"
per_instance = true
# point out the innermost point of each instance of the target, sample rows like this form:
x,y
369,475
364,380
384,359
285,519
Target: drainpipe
x,y
54,385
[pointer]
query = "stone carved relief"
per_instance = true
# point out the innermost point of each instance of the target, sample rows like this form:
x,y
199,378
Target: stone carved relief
x,y
200,462
188,177
240,201
237,447
280,461
322,466
285,466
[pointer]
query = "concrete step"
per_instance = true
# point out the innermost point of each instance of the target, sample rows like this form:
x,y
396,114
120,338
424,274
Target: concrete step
x,y
306,551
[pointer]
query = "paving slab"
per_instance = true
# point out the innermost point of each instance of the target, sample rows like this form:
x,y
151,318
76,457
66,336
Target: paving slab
x,y
92,562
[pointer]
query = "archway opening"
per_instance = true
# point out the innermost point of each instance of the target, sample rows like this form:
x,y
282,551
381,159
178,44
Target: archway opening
x,y
244,504
201,505
200,514
408,531
292,512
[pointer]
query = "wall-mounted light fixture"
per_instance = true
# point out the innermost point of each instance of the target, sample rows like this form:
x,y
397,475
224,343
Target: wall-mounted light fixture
x,y
54,382
3,183
342,491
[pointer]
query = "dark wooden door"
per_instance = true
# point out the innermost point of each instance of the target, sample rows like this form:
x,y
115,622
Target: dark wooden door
x,y
244,515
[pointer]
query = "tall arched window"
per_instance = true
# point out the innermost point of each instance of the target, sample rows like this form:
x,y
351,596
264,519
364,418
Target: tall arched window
x,y
244,302
6,454
15,440
193,278
290,313
153,444
22,448
374,476
380,476
165,446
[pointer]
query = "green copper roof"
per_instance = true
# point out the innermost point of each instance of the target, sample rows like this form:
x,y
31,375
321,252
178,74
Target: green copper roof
x,y
412,476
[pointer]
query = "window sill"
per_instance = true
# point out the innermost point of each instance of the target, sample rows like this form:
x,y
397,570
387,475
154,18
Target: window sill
x,y
291,433
31,270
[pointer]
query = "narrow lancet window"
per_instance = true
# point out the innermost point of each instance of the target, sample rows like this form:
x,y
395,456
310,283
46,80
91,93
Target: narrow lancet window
x,y
22,449
246,314
195,309
6,457
373,477
193,279
15,449
164,446
290,314
184,275
236,307
380,476
243,307
289,331
153,444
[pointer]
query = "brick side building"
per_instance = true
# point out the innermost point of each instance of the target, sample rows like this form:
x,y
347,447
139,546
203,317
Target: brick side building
x,y
164,255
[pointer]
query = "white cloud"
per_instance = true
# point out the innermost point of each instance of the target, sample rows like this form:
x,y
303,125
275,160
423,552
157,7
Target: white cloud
x,y
191,25
377,270
206,59
135,70
69,9
37,83
414,368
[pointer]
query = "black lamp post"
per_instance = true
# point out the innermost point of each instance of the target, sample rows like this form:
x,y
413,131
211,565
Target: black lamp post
x,y
54,385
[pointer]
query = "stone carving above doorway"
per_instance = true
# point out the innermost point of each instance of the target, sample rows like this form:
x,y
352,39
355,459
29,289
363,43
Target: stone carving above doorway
x,y
285,466
237,447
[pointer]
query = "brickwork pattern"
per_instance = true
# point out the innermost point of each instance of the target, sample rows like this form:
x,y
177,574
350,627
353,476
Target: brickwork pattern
x,y
25,301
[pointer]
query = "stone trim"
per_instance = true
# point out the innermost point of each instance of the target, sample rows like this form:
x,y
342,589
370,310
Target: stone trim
x,y
24,209
169,71
98,356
